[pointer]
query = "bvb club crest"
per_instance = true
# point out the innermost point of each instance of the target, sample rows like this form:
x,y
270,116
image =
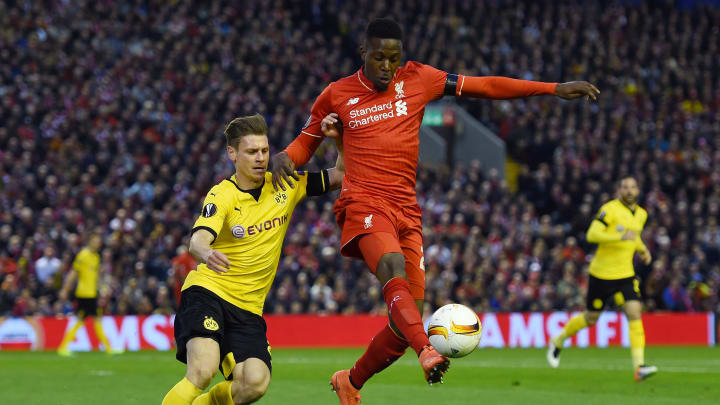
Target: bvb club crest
x,y
210,324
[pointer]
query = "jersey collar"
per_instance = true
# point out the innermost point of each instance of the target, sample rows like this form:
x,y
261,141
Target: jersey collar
x,y
368,84
632,211
255,192
364,80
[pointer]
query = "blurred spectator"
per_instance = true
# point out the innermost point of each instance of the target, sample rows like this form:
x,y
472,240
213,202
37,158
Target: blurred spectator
x,y
47,265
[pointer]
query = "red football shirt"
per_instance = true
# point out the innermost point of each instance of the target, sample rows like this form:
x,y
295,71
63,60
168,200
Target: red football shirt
x,y
380,129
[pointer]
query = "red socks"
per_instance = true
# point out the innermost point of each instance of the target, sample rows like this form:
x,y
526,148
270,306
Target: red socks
x,y
404,313
384,349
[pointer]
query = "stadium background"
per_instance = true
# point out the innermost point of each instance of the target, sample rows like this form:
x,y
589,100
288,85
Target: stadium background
x,y
112,118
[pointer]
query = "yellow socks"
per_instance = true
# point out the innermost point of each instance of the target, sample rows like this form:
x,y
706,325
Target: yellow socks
x,y
574,325
101,335
70,335
637,342
218,395
183,393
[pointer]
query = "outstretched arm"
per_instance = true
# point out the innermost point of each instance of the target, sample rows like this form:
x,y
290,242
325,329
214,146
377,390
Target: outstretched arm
x,y
500,88
302,148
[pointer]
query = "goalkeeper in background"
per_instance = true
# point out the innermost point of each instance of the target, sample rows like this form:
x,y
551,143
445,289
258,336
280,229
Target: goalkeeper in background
x,y
616,229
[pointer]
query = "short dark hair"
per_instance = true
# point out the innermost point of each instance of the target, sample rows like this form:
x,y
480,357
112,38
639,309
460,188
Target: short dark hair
x,y
242,126
623,178
385,28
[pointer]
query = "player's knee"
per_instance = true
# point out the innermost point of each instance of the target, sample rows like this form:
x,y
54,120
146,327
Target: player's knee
x,y
254,385
633,314
201,376
591,318
391,265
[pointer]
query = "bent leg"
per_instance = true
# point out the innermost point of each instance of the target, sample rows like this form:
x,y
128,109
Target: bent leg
x,y
575,325
402,308
203,355
251,379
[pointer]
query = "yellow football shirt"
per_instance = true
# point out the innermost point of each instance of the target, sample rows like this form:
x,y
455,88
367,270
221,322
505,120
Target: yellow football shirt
x,y
87,266
614,257
251,233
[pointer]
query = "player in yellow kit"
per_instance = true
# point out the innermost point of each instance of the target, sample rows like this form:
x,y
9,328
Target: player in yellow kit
x,y
237,238
616,229
86,270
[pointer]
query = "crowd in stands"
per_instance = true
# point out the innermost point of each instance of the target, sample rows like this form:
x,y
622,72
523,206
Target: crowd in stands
x,y
111,120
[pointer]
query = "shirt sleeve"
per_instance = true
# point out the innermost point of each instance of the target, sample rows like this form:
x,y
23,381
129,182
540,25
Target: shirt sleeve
x,y
599,231
77,263
302,148
501,88
318,183
434,81
603,216
213,213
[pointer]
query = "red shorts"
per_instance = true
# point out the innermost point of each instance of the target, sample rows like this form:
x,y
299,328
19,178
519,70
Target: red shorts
x,y
403,226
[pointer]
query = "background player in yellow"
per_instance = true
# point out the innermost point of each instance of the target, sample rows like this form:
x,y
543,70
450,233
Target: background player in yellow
x,y
616,229
237,239
85,269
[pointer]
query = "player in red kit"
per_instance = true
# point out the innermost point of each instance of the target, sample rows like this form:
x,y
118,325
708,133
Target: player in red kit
x,y
381,107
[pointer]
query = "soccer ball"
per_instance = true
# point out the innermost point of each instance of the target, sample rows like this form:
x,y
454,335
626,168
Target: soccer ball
x,y
454,330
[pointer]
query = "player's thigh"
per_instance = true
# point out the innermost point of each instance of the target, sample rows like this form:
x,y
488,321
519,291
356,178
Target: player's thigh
x,y
598,292
383,255
627,289
245,338
359,218
200,315
203,353
86,307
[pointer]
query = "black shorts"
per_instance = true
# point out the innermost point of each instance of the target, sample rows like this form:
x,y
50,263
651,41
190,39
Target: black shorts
x,y
621,290
241,334
87,307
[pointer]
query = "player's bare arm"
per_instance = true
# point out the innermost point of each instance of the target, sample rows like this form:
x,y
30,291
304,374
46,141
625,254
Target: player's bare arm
x,y
644,252
331,127
68,284
201,250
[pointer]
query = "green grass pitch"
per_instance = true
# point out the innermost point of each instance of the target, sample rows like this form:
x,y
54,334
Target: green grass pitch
x,y
301,376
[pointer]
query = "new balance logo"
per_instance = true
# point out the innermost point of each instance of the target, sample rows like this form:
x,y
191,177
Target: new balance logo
x,y
368,221
353,100
400,108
